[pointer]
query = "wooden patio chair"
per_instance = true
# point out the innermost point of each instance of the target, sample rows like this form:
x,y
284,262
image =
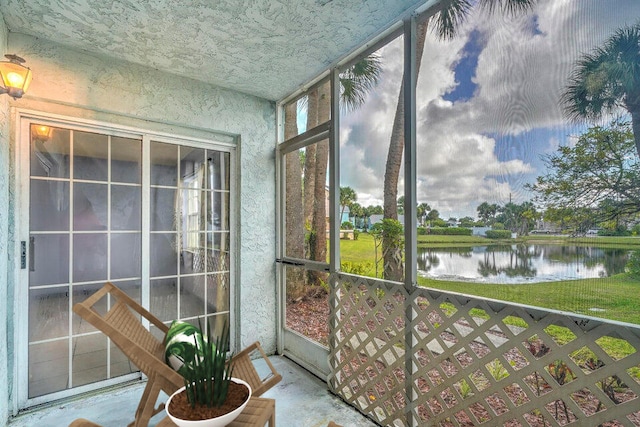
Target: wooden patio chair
x,y
244,368
123,325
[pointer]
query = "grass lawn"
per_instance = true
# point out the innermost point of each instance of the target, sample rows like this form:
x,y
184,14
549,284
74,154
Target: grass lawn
x,y
615,298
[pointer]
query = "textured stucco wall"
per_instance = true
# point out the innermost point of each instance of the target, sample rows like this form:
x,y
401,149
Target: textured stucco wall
x,y
4,236
78,84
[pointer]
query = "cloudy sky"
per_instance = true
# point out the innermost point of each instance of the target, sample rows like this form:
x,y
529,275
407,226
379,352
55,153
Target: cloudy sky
x,y
487,105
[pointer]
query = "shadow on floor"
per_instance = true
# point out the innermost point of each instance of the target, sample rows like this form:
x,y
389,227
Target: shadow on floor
x,y
302,400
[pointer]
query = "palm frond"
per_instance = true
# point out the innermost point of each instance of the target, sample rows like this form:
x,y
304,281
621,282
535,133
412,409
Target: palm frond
x,y
450,17
455,12
357,80
605,79
508,7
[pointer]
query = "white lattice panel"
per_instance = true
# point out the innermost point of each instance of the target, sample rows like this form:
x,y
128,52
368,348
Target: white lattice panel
x,y
475,362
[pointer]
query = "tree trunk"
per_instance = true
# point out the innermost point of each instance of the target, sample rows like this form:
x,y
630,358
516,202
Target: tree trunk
x,y
322,159
393,269
310,159
294,227
635,126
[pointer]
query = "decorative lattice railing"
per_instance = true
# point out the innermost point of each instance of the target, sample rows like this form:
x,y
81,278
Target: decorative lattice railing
x,y
465,361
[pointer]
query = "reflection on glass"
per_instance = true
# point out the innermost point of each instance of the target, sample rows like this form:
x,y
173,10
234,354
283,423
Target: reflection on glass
x,y
48,367
193,210
192,296
218,260
163,295
164,164
125,207
220,241
89,207
218,212
120,364
48,313
218,170
81,293
218,292
192,170
126,158
89,359
49,209
163,259
90,156
50,158
89,257
125,255
217,322
163,203
49,263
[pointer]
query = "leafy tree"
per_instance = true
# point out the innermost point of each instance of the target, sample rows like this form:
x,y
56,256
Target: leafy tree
x,y
391,233
375,210
518,218
577,219
400,205
608,79
467,222
601,171
354,83
433,215
294,231
347,197
357,213
446,22
421,211
487,212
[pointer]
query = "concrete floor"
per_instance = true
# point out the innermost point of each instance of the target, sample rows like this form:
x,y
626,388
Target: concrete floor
x,y
302,400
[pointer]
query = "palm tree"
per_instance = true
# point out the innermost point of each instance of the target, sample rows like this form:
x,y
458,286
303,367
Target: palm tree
x,y
421,211
354,83
347,197
608,79
446,23
294,231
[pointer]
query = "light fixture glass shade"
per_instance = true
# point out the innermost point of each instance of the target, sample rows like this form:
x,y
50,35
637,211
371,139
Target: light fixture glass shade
x,y
15,76
42,132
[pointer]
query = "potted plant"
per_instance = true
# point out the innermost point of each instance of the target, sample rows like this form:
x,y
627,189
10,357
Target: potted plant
x,y
211,397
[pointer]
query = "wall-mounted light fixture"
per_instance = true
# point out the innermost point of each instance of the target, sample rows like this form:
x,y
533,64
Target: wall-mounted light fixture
x,y
42,133
15,76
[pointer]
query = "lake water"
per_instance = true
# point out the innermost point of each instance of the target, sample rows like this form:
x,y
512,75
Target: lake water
x,y
520,263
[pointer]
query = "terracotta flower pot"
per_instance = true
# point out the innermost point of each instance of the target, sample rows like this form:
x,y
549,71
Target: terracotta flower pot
x,y
219,421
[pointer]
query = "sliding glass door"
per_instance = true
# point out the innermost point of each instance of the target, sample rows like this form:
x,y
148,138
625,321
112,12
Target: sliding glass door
x,y
150,214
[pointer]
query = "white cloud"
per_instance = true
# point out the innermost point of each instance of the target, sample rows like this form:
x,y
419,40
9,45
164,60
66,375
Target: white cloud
x,y
462,155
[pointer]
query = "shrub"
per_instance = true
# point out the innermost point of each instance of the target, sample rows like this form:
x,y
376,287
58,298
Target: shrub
x,y
347,225
358,268
422,231
451,231
356,233
498,234
633,265
617,231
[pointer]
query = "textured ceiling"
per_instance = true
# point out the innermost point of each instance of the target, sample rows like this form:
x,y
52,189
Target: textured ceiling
x,y
266,48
